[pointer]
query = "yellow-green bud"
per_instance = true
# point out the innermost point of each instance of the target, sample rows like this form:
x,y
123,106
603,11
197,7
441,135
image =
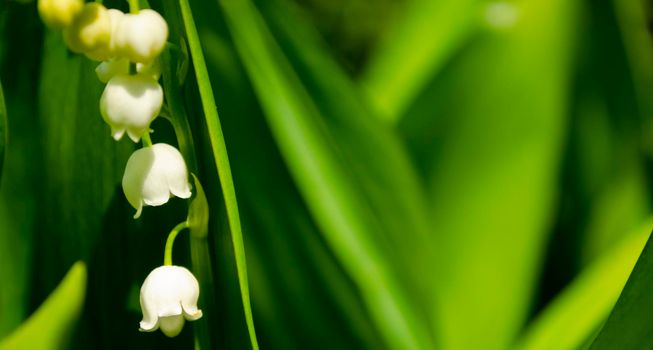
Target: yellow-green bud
x,y
59,13
90,30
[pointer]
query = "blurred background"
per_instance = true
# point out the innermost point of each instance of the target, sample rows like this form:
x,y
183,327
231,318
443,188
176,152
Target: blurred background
x,y
446,174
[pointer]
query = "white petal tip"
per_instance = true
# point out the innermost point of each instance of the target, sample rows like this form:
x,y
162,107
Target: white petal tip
x,y
117,134
183,194
139,211
147,327
194,315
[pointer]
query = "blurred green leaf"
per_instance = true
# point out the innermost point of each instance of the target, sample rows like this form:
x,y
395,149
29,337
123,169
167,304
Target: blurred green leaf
x,y
489,131
3,128
580,309
372,151
325,182
298,286
630,324
51,326
221,160
411,54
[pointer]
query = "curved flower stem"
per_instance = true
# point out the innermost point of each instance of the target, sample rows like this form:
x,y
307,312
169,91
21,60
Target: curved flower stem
x,y
147,141
167,257
133,6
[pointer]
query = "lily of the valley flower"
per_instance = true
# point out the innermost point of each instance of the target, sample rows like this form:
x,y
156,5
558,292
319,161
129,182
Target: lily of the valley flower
x,y
153,174
168,298
129,103
107,50
89,30
141,37
59,13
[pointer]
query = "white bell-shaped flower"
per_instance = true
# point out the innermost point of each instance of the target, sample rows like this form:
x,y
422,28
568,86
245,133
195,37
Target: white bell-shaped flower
x,y
90,30
129,103
109,69
168,298
141,37
153,174
107,50
59,13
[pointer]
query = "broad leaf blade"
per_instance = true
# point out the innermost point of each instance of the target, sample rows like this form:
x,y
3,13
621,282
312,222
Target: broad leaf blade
x,y
51,326
630,325
492,140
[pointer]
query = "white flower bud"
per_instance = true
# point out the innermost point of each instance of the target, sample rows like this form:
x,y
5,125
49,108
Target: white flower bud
x,y
141,37
153,174
130,103
59,13
89,30
107,50
169,297
109,69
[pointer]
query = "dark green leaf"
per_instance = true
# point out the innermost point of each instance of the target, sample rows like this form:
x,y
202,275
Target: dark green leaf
x,y
630,324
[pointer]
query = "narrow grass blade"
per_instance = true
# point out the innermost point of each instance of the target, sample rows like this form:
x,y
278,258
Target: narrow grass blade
x,y
221,159
51,326
335,203
580,309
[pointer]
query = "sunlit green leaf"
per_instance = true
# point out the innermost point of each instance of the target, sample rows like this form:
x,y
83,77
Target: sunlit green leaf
x,y
337,205
490,132
415,49
51,326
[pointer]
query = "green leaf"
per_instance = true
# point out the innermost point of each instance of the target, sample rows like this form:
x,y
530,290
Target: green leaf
x,y
3,128
630,324
374,153
415,50
580,309
51,326
298,286
490,132
221,160
323,178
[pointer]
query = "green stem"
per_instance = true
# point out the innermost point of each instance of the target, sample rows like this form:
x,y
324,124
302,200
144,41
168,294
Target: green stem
x,y
133,6
147,141
167,257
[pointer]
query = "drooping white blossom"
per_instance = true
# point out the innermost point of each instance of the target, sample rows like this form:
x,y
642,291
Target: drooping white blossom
x,y
107,50
129,103
169,297
153,174
59,13
89,30
141,37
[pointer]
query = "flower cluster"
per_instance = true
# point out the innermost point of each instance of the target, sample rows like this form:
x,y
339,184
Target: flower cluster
x,y
128,46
